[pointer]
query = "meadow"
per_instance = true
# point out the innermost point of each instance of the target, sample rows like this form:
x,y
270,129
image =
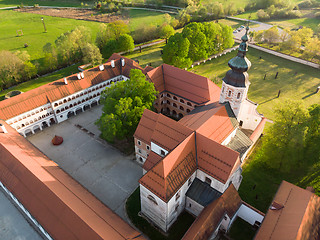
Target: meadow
x,y
33,31
60,3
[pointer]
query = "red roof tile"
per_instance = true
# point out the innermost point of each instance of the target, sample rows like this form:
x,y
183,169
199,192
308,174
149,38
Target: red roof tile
x,y
56,90
183,83
211,120
209,219
61,205
168,133
146,126
299,218
168,176
215,159
151,161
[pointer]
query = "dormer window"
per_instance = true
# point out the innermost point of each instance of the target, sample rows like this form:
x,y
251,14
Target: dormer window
x,y
162,153
207,180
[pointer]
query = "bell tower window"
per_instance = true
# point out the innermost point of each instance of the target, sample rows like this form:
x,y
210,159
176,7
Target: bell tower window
x,y
229,93
238,96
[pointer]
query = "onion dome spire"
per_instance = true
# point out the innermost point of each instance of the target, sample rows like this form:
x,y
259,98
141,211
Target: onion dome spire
x,y
238,76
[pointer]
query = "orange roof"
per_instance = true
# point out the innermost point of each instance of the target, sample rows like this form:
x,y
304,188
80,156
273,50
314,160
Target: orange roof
x,y
168,133
185,84
61,205
215,121
209,219
151,161
146,125
215,159
168,175
56,90
299,218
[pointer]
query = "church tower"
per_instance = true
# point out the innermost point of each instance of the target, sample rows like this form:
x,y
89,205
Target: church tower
x,y
236,83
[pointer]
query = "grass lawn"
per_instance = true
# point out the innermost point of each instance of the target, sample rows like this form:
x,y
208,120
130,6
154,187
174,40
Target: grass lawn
x,y
241,230
296,22
177,230
252,14
148,55
60,3
26,86
140,18
34,34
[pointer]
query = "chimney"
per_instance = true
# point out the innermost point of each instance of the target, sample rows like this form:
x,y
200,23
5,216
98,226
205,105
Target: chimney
x,y
82,75
122,62
65,81
78,76
112,63
3,128
101,67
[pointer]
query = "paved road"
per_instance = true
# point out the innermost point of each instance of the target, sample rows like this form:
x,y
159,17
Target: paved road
x,y
100,168
13,226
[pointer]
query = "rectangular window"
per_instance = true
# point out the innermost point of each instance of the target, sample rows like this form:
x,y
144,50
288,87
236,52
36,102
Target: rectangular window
x,y
207,180
139,142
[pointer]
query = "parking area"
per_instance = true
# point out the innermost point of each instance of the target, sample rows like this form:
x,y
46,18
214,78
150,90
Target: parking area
x,y
102,169
12,224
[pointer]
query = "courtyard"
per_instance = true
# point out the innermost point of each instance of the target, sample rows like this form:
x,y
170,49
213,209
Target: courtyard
x,y
107,173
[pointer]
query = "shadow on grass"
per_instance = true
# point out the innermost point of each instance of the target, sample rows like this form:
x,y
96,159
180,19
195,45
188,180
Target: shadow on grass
x,y
177,230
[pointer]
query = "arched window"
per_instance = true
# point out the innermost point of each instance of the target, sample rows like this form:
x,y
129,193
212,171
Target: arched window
x,y
175,105
238,96
69,99
65,100
181,100
152,199
222,89
188,110
181,108
189,104
168,102
175,98
168,95
229,93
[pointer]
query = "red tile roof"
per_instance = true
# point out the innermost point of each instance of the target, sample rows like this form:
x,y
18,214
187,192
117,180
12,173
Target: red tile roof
x,y
56,90
151,161
168,175
209,219
168,133
61,205
215,159
185,84
146,126
299,218
212,120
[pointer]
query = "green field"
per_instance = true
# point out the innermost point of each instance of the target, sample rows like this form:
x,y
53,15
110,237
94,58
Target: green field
x,y
33,31
139,18
296,22
61,3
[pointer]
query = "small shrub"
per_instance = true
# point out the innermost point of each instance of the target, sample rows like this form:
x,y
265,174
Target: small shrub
x,y
26,45
36,5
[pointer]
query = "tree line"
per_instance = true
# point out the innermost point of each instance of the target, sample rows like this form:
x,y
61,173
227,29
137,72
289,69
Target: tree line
x,y
197,41
303,42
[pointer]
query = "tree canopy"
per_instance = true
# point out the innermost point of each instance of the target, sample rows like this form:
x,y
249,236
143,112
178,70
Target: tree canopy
x,y
197,41
294,137
123,105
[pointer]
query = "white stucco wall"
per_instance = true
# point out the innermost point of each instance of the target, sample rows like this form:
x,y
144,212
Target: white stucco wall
x,y
214,183
193,207
228,139
249,115
249,214
157,149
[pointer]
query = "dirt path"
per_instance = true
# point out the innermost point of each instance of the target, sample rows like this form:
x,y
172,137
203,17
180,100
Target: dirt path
x,y
80,14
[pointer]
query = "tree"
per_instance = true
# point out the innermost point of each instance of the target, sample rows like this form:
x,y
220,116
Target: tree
x,y
305,35
194,33
176,51
166,31
125,43
271,35
91,54
227,37
312,49
283,145
213,32
123,105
